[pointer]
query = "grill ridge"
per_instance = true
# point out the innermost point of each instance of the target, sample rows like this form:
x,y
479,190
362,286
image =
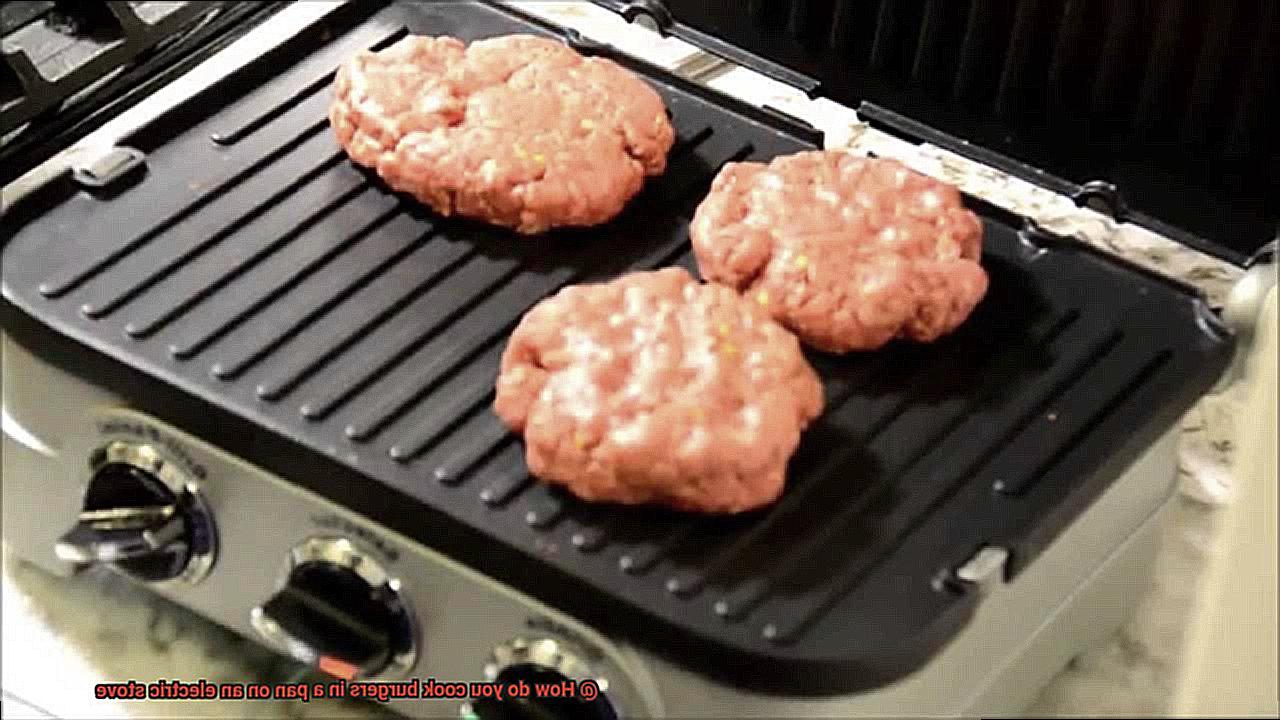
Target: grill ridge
x,y
468,458
1131,385
270,101
242,128
300,370
359,378
834,461
841,23
233,368
68,281
642,559
882,41
1259,83
971,48
115,302
928,49
809,607
1062,424
203,338
260,121
691,196
511,478
157,320
441,366
838,392
1023,59
1162,62
737,604
1205,82
457,410
546,507
1067,53
1054,48
477,448
424,381
1108,91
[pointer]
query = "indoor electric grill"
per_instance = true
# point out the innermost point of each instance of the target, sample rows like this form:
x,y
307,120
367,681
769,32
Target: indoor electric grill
x,y
240,370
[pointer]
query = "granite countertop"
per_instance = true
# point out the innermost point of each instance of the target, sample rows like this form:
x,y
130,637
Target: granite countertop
x,y
60,636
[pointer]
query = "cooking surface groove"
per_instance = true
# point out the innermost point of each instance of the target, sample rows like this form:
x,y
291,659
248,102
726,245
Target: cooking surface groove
x,y
258,269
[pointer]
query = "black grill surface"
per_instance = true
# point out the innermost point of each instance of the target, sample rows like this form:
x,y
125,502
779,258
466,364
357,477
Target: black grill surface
x,y
258,289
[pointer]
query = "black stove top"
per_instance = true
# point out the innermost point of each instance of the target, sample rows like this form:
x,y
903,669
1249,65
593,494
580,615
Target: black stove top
x,y
257,289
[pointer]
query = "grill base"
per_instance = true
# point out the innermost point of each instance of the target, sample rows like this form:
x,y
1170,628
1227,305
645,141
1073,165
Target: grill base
x,y
1083,586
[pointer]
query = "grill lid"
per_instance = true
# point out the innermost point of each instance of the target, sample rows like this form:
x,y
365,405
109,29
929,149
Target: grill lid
x,y
262,292
1166,101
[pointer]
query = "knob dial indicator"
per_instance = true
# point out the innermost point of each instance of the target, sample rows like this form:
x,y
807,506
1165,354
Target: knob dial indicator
x,y
142,516
339,610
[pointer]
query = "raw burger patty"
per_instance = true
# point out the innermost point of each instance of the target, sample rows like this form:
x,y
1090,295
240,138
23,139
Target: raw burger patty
x,y
848,252
656,388
518,131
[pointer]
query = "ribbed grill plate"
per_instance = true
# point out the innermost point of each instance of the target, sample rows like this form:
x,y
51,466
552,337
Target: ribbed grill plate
x,y
293,295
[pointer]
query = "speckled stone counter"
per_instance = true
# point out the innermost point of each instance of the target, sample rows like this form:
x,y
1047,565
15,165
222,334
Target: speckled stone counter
x,y
60,636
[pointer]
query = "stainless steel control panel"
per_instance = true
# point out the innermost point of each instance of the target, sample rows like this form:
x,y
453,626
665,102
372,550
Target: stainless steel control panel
x,y
272,561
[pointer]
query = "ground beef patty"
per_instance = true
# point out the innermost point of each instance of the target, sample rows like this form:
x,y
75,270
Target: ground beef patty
x,y
518,131
655,388
848,252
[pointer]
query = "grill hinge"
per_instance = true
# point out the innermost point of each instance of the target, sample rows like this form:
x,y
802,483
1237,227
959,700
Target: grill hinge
x,y
654,15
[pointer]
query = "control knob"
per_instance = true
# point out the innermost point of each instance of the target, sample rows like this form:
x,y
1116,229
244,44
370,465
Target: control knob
x,y
542,662
337,609
143,516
